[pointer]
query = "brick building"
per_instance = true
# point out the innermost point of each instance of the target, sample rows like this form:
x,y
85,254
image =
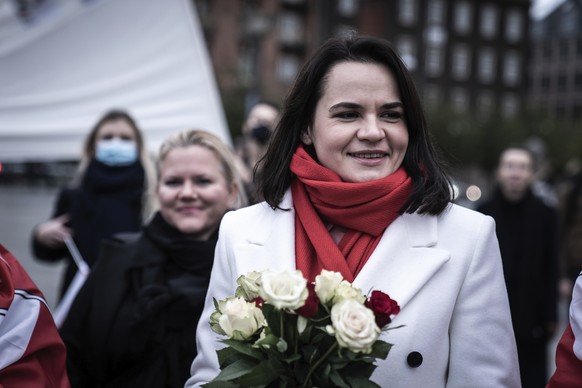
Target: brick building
x,y
556,63
467,55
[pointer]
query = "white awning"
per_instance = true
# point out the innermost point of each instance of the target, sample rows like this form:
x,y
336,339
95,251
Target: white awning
x,y
71,60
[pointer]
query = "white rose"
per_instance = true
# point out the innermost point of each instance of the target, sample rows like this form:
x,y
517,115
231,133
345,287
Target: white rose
x,y
346,291
284,290
325,285
248,285
237,319
354,326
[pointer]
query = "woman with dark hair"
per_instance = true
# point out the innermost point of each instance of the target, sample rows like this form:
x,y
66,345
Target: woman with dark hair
x,y
106,196
352,184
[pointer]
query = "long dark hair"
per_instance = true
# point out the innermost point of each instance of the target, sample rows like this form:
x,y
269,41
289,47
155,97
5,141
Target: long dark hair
x,y
432,188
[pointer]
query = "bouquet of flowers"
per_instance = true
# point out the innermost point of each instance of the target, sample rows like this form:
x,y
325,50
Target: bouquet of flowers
x,y
282,331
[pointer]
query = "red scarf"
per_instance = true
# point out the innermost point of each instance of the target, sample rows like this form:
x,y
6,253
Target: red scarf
x,y
365,209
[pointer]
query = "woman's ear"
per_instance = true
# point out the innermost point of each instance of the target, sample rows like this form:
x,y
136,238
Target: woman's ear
x,y
306,136
233,199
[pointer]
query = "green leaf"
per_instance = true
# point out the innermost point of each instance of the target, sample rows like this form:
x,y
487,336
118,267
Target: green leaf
x,y
306,334
220,384
301,369
282,345
361,382
270,340
236,369
358,369
308,351
245,348
337,380
273,318
226,356
261,375
292,358
380,349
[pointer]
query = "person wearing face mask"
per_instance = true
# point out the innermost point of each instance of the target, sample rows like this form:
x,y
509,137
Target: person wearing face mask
x,y
257,130
352,184
131,323
105,197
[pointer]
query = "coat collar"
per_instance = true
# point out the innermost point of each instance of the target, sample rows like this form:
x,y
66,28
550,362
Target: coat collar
x,y
404,260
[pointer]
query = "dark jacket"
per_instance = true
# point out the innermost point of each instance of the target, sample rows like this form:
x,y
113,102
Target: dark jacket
x,y
528,233
108,201
133,324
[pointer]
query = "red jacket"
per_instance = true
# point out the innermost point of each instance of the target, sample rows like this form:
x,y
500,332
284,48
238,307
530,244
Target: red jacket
x,y
568,372
32,353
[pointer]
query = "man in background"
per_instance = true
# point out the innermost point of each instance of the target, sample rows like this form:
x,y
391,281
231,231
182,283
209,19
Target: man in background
x,y
257,129
527,229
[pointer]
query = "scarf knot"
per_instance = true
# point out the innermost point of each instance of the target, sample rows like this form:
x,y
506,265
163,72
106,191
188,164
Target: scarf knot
x,y
365,209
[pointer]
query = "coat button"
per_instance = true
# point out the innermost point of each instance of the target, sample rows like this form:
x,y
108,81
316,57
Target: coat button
x,y
414,359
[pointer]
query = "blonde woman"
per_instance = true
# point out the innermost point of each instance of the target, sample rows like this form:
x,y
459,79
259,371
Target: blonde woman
x,y
131,324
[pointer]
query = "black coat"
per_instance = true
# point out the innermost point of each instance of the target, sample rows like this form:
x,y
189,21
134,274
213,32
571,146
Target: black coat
x,y
133,324
108,201
528,233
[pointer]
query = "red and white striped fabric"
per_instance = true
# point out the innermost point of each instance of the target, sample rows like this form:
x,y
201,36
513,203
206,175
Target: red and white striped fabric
x,y
32,353
568,372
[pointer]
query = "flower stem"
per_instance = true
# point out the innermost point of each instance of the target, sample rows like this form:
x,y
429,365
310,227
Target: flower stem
x,y
318,363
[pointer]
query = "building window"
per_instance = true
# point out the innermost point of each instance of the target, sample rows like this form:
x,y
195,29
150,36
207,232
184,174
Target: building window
x,y
511,68
485,103
407,12
545,83
407,49
463,17
461,62
435,13
347,8
510,105
290,28
547,50
577,111
562,82
486,68
514,25
459,100
432,95
564,48
489,21
434,61
569,22
287,67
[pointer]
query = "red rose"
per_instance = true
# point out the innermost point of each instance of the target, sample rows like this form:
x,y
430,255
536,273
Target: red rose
x,y
309,309
383,307
258,301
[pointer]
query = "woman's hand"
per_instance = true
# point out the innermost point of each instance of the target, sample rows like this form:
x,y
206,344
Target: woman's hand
x,y
53,232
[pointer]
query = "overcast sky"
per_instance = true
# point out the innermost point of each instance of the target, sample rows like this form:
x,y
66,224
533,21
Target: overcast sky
x,y
541,8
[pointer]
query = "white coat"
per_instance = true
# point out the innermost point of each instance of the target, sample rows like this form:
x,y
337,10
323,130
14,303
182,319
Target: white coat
x,y
444,271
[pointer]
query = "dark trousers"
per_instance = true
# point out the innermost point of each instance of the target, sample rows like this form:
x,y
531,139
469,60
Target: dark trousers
x,y
532,363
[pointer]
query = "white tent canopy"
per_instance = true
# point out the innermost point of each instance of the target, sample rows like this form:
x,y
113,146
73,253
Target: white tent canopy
x,y
73,60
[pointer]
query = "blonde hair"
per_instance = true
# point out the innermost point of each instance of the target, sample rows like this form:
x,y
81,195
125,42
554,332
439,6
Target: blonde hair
x,y
223,152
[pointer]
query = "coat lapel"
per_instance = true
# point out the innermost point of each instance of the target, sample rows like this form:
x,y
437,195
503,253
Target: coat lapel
x,y
405,259
272,244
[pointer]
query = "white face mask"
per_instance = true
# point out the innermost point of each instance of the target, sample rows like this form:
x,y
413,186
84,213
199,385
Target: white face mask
x,y
116,152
